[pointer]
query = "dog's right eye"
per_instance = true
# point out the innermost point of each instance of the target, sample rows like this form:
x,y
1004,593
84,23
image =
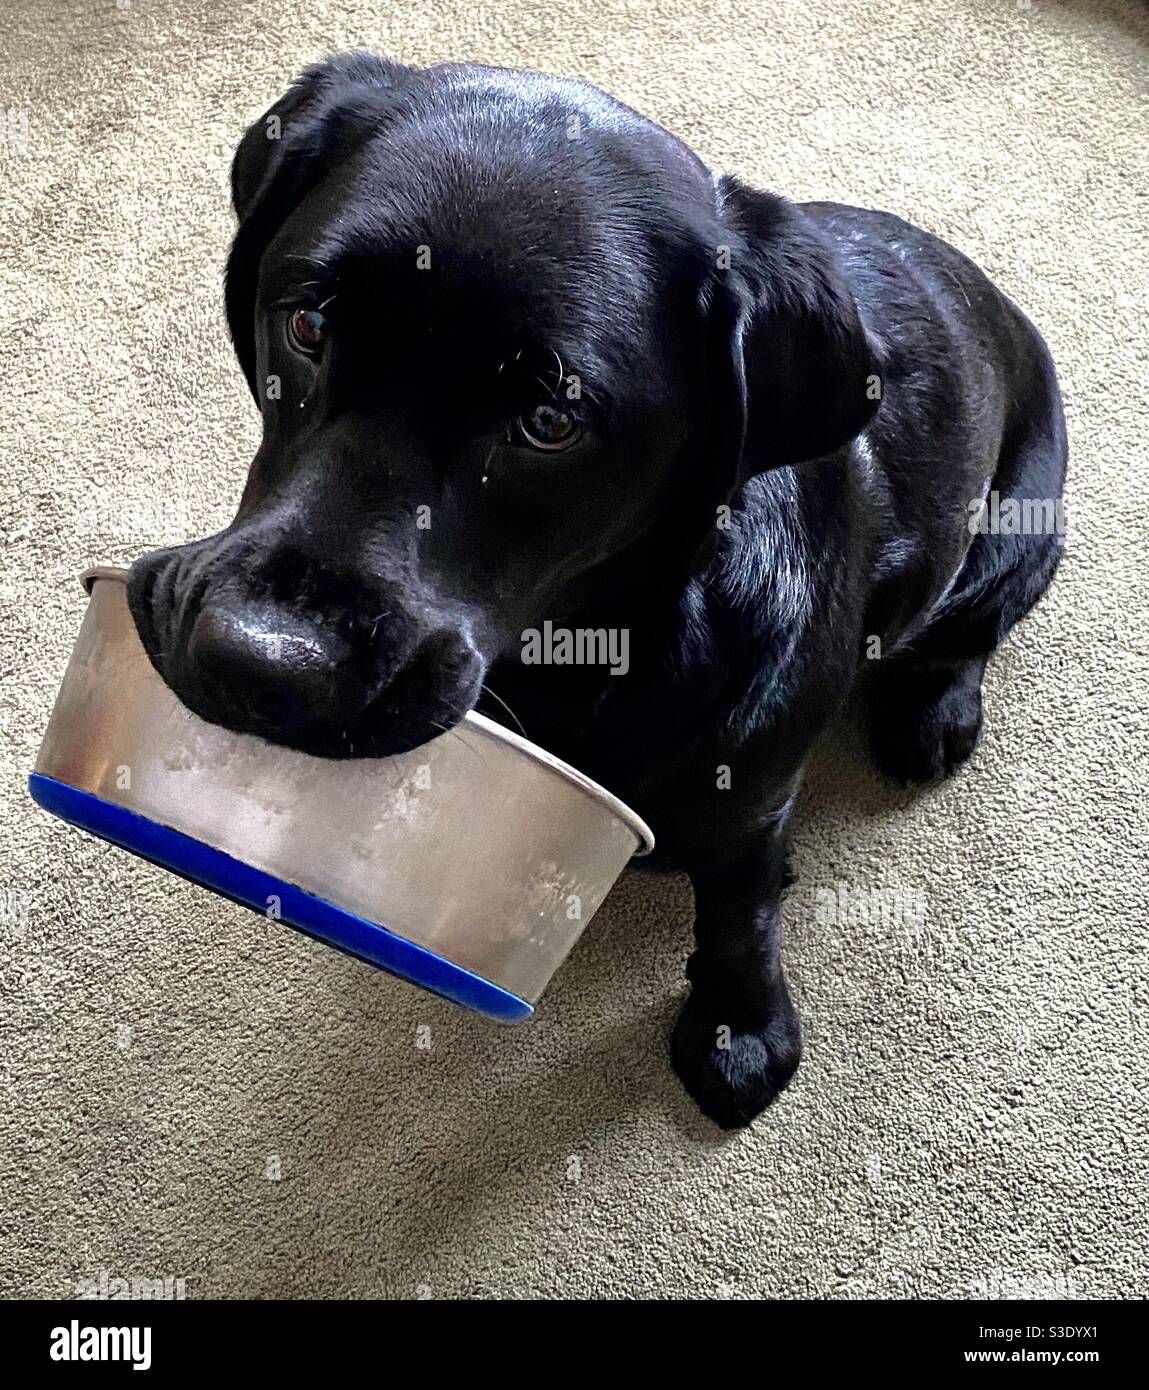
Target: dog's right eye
x,y
548,427
308,331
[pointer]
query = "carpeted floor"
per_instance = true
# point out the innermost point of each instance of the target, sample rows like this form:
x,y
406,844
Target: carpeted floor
x,y
192,1092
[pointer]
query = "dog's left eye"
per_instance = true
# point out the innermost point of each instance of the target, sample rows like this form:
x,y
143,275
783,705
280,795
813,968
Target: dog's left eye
x,y
308,331
548,427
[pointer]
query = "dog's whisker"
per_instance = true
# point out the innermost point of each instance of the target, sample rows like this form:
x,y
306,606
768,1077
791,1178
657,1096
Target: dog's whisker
x,y
486,689
454,733
562,370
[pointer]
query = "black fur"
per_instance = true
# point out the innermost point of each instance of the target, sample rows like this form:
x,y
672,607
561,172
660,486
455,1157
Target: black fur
x,y
843,383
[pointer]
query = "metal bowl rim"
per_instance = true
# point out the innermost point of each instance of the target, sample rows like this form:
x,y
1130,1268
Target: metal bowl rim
x,y
489,729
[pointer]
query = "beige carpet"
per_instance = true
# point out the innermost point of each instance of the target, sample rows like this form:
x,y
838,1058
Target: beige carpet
x,y
192,1092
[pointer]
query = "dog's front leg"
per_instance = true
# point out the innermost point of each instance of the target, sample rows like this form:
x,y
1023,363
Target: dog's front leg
x,y
737,1042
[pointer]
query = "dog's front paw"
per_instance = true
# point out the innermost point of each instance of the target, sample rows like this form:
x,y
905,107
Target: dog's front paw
x,y
732,1069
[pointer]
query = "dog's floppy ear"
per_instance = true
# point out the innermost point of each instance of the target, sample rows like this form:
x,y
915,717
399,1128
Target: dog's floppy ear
x,y
800,363
325,115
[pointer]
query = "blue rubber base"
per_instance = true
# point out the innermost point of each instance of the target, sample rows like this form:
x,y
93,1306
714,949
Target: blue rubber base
x,y
253,888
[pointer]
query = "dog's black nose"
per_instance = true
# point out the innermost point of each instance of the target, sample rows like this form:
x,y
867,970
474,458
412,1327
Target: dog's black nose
x,y
278,671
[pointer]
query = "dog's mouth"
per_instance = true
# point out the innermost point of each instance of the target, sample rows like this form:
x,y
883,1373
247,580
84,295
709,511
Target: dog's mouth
x,y
413,709
324,684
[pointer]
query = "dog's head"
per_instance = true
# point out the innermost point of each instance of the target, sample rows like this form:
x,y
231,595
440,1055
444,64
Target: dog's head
x,y
510,342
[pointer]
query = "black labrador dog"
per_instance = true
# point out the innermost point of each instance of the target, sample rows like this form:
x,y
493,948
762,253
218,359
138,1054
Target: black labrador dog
x,y
522,359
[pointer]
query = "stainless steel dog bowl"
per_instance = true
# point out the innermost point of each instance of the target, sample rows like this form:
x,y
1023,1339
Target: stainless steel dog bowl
x,y
469,866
